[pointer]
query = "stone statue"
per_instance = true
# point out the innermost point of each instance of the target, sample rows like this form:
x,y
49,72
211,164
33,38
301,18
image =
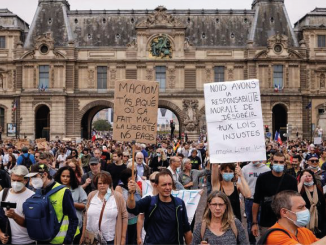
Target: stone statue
x,y
161,47
190,109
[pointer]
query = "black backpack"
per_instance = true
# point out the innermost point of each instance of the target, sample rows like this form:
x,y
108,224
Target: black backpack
x,y
27,161
264,237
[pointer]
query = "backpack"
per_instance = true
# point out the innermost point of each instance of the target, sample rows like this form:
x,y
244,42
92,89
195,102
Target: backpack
x,y
263,238
41,220
27,161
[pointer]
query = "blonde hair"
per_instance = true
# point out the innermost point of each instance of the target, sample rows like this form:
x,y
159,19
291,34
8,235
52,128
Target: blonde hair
x,y
163,155
228,216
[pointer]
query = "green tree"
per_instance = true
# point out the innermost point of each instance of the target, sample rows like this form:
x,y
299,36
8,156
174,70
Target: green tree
x,y
102,125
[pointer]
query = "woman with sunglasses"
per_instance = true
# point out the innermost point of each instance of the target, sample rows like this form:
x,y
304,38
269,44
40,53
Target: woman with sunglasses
x,y
315,202
219,225
125,177
67,177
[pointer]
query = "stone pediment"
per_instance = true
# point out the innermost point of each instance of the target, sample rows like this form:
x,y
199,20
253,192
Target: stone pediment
x,y
160,18
45,39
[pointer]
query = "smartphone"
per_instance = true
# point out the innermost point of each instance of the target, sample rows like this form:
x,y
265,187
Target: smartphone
x,y
8,205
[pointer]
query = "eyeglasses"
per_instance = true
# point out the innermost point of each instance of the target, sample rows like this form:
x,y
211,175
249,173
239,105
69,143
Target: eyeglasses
x,y
313,161
139,158
281,162
219,205
152,180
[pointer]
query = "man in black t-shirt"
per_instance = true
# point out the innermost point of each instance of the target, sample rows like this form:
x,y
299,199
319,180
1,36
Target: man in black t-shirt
x,y
195,160
116,167
268,185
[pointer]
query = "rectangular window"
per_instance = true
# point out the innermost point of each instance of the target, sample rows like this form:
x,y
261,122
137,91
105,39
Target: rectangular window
x,y
278,77
321,41
102,74
219,74
160,75
2,42
44,77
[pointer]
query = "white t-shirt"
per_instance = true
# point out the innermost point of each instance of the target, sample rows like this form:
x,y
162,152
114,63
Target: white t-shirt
x,y
61,159
109,218
19,233
5,159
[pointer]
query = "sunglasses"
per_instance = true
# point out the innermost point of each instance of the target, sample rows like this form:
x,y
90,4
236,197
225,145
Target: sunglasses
x,y
94,164
152,180
313,161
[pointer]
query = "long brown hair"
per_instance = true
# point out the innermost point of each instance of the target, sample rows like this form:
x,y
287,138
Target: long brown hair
x,y
228,216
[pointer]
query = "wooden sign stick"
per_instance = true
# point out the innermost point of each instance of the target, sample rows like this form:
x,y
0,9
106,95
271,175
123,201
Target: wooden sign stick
x,y
133,166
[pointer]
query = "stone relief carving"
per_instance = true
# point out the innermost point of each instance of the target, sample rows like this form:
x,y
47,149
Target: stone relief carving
x,y
208,75
133,43
91,78
160,18
171,77
230,74
322,80
278,39
44,39
1,81
190,109
113,74
149,74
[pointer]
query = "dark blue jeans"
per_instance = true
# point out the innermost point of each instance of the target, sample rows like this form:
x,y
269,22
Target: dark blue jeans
x,y
248,210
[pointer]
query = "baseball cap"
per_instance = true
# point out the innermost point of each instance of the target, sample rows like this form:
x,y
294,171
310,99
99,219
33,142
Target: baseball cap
x,y
37,169
312,156
93,160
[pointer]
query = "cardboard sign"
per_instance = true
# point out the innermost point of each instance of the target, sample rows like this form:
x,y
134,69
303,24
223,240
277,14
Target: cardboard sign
x,y
190,197
135,111
20,144
234,121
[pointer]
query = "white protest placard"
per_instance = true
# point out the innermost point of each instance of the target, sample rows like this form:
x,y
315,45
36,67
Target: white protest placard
x,y
234,121
191,198
317,141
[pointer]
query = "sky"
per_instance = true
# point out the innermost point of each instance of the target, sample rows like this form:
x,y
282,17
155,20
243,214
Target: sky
x,y
26,8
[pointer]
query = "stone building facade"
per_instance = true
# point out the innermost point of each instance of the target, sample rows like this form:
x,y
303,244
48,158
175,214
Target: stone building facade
x,y
61,71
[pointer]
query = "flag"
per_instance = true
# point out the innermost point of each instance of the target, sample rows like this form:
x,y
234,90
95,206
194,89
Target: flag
x,y
308,106
14,107
93,138
278,138
276,88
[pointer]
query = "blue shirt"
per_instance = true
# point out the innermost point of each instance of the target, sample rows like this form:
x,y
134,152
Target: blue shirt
x,y
20,158
140,170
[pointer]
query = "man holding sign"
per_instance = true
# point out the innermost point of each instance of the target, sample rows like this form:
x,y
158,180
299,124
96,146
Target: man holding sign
x,y
166,220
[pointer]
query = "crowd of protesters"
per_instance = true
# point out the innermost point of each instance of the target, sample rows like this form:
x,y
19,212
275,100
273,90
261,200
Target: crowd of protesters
x,y
103,202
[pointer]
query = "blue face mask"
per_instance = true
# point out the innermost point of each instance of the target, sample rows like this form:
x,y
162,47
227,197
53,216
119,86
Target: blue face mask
x,y
303,218
228,176
278,168
108,194
158,154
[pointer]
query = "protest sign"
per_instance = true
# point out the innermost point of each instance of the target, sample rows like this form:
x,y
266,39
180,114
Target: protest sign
x,y
135,111
22,143
191,198
234,121
318,141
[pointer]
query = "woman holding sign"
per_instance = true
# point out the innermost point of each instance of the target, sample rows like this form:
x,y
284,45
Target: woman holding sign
x,y
224,178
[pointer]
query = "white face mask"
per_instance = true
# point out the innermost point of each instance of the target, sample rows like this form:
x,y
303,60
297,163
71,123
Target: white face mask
x,y
37,183
17,186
